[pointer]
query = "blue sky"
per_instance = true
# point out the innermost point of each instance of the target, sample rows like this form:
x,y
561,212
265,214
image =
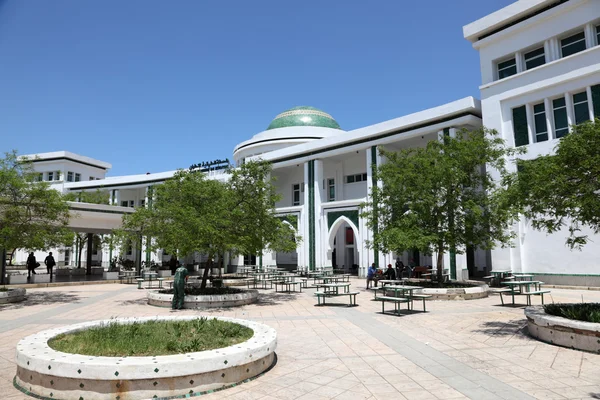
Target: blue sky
x,y
151,85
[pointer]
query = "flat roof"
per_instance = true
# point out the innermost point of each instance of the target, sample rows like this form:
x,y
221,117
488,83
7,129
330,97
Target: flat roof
x,y
67,156
119,181
505,16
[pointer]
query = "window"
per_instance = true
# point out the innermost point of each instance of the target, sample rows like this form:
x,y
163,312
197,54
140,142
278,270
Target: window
x,y
131,203
535,58
296,194
507,68
92,178
142,202
129,248
520,126
539,120
77,177
580,106
67,256
331,189
50,176
572,44
596,100
39,177
356,178
561,123
69,176
124,203
598,35
57,176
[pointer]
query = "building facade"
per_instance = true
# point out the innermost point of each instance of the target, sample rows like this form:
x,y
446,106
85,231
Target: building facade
x,y
540,71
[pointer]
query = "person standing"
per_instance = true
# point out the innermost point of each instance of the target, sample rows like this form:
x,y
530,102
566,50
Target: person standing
x,y
31,265
371,275
181,277
173,265
50,263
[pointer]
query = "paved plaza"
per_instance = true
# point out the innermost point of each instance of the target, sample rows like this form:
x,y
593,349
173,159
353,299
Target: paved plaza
x,y
459,349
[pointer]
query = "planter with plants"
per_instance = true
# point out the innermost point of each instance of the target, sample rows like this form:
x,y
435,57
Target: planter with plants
x,y
113,271
175,357
572,325
452,290
17,279
210,297
11,295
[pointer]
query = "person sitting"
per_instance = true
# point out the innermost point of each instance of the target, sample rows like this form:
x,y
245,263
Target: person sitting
x,y
371,272
399,268
390,273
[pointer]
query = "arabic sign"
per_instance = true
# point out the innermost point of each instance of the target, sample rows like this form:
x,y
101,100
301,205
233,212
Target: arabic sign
x,y
210,165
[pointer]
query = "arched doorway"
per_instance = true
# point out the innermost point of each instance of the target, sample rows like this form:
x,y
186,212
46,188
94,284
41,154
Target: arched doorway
x,y
288,260
343,245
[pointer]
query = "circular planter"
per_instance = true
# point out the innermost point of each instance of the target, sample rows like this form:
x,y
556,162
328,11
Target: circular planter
x,y
468,293
51,374
235,281
206,301
12,296
561,331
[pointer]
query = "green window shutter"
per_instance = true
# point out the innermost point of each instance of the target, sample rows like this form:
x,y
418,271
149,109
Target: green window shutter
x,y
596,100
520,126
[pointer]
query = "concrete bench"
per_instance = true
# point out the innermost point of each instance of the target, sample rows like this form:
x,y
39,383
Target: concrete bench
x,y
396,300
535,293
324,295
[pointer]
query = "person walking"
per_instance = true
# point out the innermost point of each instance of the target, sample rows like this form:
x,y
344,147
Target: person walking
x,y
31,265
181,277
50,263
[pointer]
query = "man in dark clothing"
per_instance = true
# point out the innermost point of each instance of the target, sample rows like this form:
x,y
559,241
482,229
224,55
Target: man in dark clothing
x,y
389,273
31,265
50,263
181,277
173,265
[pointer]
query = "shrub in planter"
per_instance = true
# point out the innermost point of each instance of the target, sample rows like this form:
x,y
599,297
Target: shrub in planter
x,y
587,312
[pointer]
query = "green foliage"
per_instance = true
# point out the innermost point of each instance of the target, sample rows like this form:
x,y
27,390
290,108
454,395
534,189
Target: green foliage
x,y
152,338
442,197
588,312
563,190
192,213
32,215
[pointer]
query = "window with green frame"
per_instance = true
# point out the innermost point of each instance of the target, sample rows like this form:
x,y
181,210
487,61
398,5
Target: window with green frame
x,y
520,126
561,122
331,189
580,106
539,120
596,100
507,68
572,44
535,58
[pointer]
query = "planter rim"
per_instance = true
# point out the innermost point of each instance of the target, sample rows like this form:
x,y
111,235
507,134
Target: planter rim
x,y
33,353
540,317
154,294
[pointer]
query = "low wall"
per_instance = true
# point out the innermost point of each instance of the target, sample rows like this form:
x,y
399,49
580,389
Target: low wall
x,y
563,331
12,295
51,374
207,301
469,293
567,279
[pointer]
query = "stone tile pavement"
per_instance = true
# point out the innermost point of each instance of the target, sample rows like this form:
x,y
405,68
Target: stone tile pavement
x,y
473,349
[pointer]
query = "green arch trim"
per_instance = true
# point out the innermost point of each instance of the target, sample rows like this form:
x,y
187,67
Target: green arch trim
x,y
333,216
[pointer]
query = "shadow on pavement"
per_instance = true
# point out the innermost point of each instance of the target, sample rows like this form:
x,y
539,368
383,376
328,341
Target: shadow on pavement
x,y
271,299
500,328
42,298
137,302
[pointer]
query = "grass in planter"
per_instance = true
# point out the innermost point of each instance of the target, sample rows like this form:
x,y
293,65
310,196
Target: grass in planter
x,y
588,312
152,338
3,289
196,291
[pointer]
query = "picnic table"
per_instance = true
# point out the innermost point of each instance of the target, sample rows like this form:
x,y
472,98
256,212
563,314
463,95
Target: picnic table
x,y
516,288
406,296
523,277
391,281
333,288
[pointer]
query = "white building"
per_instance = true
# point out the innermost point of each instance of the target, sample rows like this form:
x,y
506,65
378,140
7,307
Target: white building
x,y
540,73
540,67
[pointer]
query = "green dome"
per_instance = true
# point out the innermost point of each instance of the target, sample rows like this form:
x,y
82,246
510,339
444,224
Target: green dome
x,y
304,116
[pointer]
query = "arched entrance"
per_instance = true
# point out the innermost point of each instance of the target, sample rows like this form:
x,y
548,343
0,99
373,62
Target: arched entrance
x,y
343,245
287,260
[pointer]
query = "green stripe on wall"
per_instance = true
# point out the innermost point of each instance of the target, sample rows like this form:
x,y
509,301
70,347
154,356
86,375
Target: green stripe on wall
x,y
375,213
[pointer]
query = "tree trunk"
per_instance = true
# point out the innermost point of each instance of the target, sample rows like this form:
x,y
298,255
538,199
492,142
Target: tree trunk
x,y
3,268
440,263
206,269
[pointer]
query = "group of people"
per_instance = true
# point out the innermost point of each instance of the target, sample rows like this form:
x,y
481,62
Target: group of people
x,y
32,264
374,274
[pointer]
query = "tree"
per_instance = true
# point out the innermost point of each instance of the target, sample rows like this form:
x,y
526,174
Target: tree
x,y
443,198
33,216
563,189
191,213
81,238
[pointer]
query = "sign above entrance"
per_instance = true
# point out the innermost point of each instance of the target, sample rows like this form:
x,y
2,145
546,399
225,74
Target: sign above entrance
x,y
210,165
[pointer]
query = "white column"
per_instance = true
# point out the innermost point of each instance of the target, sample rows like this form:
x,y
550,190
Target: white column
x,y
590,36
548,53
117,197
320,245
305,226
549,119
519,62
530,124
570,112
588,91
